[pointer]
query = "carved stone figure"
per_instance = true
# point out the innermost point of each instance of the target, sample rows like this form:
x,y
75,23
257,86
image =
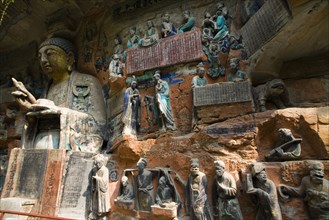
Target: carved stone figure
x,y
264,194
196,198
165,193
189,22
74,104
314,190
221,28
145,192
167,28
199,80
163,102
288,149
226,205
115,67
274,91
127,192
215,68
236,74
222,10
134,40
151,35
100,194
118,48
132,109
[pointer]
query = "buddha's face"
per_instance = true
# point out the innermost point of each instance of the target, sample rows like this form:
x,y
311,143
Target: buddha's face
x,y
54,61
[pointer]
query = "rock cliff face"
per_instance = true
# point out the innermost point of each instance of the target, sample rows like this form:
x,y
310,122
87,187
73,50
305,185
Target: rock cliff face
x,y
222,124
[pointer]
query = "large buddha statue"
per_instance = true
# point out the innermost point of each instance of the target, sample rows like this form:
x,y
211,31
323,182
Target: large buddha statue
x,y
72,113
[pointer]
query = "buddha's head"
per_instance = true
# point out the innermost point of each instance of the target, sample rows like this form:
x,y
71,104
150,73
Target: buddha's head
x,y
56,57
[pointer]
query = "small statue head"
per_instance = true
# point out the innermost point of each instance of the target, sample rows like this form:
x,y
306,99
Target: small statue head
x,y
117,40
200,70
234,63
194,167
124,180
284,133
141,164
133,83
258,172
220,167
166,17
57,57
186,14
316,172
220,5
99,160
207,15
162,181
150,23
132,31
157,75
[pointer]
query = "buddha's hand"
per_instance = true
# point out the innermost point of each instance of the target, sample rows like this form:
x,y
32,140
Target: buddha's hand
x,y
24,98
51,111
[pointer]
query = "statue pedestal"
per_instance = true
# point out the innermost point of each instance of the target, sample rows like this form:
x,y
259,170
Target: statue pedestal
x,y
126,204
169,211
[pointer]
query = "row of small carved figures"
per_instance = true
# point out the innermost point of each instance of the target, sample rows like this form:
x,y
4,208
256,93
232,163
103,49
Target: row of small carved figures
x,y
140,193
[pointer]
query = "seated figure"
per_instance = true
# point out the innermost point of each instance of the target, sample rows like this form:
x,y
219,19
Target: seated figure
x,y
151,35
164,193
189,24
236,75
199,80
134,40
167,28
127,193
289,147
73,115
116,67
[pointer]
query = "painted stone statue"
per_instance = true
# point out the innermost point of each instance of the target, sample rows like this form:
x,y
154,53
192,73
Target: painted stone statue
x,y
134,40
145,191
132,109
167,28
314,189
226,205
236,75
273,91
118,48
74,104
264,194
163,103
199,80
151,35
288,149
215,68
116,67
100,194
196,198
189,22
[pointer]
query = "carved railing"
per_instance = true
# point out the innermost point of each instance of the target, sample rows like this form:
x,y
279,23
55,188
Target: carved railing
x,y
169,51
